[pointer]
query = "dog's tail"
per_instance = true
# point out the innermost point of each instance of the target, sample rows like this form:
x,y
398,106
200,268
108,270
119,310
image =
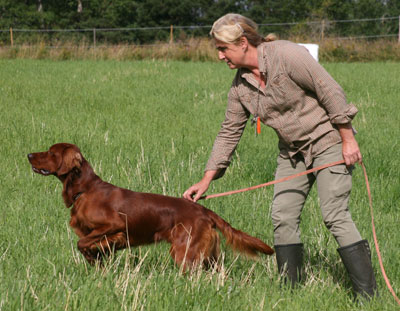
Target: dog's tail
x,y
238,240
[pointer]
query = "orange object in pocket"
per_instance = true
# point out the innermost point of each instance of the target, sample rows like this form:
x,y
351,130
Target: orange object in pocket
x,y
258,125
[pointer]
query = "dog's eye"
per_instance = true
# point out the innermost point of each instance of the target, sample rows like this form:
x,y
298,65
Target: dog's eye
x,y
51,153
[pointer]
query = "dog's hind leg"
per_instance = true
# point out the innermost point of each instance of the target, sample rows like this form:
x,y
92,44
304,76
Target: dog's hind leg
x,y
199,245
212,250
181,240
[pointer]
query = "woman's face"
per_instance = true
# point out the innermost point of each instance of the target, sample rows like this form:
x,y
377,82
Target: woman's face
x,y
232,54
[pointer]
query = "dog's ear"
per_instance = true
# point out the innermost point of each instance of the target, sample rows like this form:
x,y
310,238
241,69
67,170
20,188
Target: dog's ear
x,y
71,159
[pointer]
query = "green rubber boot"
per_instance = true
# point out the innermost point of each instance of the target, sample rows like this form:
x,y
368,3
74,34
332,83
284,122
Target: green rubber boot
x,y
289,258
357,260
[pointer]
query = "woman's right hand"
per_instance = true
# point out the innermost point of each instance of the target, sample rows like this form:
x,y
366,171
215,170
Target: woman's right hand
x,y
195,192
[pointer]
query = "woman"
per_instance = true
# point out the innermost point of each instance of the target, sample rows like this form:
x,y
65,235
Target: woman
x,y
282,86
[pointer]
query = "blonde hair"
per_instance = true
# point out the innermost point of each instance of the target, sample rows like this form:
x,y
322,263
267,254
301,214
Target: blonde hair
x,y
231,27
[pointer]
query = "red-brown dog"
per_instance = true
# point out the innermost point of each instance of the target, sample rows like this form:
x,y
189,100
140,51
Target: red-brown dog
x,y
107,217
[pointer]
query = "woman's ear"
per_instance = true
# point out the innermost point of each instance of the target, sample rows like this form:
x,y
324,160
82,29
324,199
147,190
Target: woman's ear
x,y
244,43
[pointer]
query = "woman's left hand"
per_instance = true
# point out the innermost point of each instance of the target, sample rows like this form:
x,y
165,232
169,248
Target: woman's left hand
x,y
351,151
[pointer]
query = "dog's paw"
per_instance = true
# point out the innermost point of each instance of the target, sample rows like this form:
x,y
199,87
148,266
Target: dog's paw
x,y
89,255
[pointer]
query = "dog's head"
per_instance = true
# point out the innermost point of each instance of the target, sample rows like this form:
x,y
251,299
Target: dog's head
x,y
59,160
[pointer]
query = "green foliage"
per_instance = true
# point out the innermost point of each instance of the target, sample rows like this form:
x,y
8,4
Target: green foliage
x,y
149,126
102,14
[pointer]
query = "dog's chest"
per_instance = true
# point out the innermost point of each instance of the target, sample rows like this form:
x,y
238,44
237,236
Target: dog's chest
x,y
77,222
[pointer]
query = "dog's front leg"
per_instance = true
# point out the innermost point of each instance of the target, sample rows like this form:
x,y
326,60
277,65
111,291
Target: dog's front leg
x,y
92,254
100,243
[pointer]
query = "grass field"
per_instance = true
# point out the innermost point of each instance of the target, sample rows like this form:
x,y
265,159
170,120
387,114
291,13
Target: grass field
x,y
149,126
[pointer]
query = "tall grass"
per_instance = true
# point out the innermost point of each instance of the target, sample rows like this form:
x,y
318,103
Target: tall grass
x,y
191,49
149,126
194,49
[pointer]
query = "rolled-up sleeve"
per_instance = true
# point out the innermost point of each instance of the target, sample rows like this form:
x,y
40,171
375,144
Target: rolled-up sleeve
x,y
231,131
310,75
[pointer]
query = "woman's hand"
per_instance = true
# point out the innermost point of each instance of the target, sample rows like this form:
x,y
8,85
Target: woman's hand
x,y
350,149
351,152
195,192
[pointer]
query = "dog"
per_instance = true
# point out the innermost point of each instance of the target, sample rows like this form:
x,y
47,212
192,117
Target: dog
x,y
106,217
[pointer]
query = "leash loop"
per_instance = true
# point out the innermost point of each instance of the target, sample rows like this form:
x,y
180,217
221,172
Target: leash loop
x,y
378,253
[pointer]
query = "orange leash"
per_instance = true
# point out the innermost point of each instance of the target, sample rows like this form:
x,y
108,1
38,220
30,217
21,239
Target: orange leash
x,y
318,168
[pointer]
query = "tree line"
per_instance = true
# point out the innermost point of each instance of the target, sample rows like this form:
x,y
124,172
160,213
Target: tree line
x,y
156,14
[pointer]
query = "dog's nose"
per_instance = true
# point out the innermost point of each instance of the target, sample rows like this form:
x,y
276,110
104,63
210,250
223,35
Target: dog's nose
x,y
30,156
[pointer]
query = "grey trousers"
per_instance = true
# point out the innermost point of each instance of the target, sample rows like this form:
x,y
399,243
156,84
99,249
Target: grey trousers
x,y
334,187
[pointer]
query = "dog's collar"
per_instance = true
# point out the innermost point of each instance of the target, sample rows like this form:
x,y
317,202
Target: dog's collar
x,y
76,196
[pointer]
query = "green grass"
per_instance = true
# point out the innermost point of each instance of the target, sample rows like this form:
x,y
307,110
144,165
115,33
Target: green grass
x,y
149,126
